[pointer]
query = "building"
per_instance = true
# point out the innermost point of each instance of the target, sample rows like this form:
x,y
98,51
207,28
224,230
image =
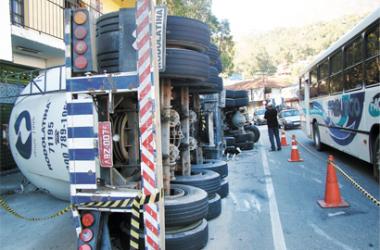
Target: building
x,y
32,39
267,88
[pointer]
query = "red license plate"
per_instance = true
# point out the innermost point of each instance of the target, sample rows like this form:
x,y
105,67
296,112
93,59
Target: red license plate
x,y
105,144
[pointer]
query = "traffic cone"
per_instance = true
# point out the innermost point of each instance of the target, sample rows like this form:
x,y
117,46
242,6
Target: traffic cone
x,y
332,192
294,155
283,139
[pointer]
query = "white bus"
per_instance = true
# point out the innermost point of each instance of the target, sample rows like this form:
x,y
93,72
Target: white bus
x,y
340,94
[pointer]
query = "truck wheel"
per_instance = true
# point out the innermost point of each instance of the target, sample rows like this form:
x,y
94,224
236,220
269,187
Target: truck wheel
x,y
219,65
187,33
205,179
241,102
224,188
186,65
218,166
245,145
317,137
230,103
242,138
185,205
193,237
212,84
214,207
255,131
230,141
213,53
376,159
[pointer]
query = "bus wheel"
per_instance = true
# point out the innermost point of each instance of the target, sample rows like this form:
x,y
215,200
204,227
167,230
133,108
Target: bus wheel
x,y
376,159
317,137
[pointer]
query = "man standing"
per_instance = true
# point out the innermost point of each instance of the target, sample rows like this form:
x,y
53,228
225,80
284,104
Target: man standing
x,y
271,117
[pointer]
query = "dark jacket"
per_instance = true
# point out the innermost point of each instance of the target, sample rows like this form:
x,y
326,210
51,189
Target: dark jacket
x,y
271,117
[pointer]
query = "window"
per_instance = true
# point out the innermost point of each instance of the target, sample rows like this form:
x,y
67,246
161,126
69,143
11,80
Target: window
x,y
336,76
373,71
353,73
372,62
353,52
17,12
336,63
336,83
323,87
313,83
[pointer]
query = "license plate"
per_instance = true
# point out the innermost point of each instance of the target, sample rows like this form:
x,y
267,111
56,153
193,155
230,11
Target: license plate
x,y
105,144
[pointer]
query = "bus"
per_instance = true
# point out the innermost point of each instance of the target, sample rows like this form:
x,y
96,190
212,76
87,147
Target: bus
x,y
340,94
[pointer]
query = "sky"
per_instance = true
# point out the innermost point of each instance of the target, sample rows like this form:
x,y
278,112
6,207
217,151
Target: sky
x,y
253,16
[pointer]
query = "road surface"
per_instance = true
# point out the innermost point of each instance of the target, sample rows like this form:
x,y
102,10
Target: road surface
x,y
272,205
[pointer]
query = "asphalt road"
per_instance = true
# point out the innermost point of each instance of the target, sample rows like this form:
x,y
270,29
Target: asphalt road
x,y
273,203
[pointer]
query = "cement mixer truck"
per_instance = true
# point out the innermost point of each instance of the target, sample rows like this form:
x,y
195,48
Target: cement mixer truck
x,y
111,135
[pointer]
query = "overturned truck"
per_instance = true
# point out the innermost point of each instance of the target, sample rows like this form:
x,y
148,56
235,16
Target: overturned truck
x,y
120,137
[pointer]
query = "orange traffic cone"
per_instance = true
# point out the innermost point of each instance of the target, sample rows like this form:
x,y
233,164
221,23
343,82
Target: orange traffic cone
x,y
283,139
332,192
294,155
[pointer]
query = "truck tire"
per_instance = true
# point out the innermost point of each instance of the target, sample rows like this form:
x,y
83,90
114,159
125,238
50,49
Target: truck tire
x,y
219,166
213,53
205,179
219,65
255,131
241,102
211,84
214,207
241,138
193,237
245,145
224,189
187,33
230,102
186,65
187,205
235,94
230,141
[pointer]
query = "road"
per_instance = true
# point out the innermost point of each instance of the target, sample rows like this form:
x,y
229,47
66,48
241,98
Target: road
x,y
272,205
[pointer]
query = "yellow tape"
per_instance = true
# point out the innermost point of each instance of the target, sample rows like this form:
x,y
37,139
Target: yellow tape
x,y
136,203
357,186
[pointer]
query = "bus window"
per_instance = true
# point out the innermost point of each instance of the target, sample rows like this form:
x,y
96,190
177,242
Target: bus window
x,y
323,86
313,83
353,52
336,76
372,63
353,73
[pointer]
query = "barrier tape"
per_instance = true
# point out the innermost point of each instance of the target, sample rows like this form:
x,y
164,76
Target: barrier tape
x,y
142,199
350,179
357,186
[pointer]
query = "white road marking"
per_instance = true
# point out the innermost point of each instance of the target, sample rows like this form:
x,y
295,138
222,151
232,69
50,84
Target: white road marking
x,y
255,203
336,214
317,180
246,203
277,233
325,235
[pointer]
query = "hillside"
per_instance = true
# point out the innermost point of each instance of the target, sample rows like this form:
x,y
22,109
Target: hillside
x,y
288,50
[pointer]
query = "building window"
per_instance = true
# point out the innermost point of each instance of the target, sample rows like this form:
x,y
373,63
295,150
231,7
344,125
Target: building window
x,y
17,12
